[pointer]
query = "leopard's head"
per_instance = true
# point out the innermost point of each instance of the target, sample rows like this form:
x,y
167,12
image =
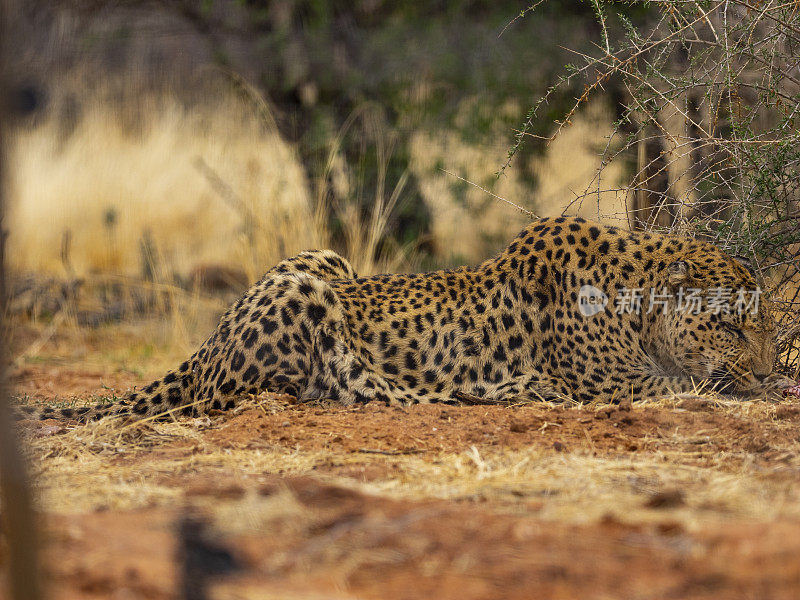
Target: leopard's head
x,y
719,326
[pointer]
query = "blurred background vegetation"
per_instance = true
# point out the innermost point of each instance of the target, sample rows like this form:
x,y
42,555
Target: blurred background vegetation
x,y
171,139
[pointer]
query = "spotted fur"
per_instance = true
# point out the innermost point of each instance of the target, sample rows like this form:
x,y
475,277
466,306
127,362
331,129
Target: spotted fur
x,y
504,330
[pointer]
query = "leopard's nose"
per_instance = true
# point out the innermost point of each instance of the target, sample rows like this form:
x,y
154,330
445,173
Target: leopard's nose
x,y
761,368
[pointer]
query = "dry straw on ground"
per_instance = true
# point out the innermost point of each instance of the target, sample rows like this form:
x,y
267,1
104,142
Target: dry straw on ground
x,y
116,465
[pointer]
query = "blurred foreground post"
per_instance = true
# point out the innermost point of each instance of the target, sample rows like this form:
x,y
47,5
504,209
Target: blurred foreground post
x,y
15,497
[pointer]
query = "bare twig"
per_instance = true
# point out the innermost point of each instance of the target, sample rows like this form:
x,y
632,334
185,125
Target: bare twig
x,y
524,211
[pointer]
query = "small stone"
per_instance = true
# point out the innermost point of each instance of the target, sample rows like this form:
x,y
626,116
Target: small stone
x,y
787,412
49,430
269,489
669,528
666,499
517,427
695,404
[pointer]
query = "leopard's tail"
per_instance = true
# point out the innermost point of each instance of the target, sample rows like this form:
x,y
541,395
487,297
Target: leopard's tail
x,y
174,393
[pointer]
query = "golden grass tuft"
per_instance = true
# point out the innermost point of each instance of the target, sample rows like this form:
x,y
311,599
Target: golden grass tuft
x,y
191,186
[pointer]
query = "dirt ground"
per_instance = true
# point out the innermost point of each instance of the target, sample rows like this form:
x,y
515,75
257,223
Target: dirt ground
x,y
692,497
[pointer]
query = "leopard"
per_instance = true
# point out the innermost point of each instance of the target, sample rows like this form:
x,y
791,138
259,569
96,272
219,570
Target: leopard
x,y
517,327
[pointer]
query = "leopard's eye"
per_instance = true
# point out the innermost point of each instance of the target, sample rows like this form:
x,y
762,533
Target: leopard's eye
x,y
734,329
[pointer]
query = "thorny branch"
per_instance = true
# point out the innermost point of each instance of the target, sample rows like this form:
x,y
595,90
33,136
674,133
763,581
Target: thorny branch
x,y
708,129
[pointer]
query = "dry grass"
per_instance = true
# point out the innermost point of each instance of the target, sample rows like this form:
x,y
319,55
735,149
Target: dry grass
x,y
120,466
116,465
119,186
109,192
148,340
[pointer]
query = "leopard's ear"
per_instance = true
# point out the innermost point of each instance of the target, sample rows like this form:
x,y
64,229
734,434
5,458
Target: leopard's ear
x,y
678,272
